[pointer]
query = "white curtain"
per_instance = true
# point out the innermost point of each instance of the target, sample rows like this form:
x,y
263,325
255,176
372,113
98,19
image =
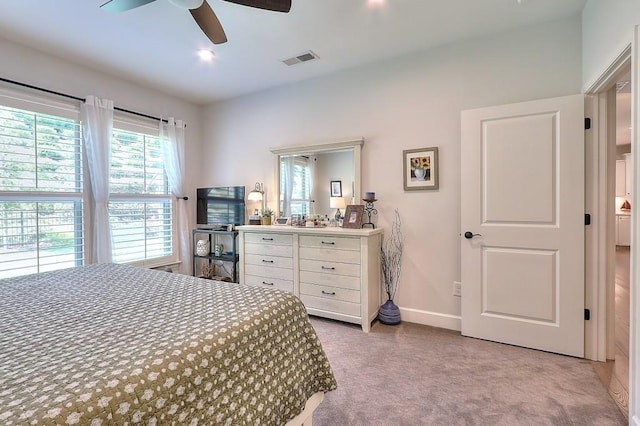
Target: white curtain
x,y
287,184
312,177
97,129
172,137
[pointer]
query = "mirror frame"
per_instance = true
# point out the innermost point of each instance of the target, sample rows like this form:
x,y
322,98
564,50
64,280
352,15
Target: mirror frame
x,y
355,145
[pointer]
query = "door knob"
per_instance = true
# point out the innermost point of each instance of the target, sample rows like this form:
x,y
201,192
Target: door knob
x,y
469,235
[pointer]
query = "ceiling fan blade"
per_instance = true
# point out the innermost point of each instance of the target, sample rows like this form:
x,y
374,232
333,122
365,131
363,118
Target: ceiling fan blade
x,y
275,5
123,5
208,22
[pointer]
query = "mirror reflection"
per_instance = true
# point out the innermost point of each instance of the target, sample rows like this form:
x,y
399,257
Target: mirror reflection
x,y
305,182
318,179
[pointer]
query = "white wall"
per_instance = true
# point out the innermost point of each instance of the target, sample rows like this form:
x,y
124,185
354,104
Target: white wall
x,y
36,68
607,30
411,102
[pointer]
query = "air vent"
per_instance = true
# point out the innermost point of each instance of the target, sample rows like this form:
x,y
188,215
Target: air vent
x,y
303,57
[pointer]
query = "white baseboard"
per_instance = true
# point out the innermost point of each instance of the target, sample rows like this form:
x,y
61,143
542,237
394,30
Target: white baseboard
x,y
434,319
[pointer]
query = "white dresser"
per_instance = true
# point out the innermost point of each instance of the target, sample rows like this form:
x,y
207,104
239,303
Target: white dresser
x,y
334,271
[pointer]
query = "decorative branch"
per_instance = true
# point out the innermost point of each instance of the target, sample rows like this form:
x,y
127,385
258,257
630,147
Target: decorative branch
x,y
391,257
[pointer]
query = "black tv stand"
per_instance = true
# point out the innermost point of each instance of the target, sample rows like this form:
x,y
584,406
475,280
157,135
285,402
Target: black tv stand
x,y
213,228
228,256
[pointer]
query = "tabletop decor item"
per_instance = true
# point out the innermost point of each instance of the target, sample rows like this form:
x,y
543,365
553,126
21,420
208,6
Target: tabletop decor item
x,y
353,216
208,270
420,169
203,247
369,208
266,216
337,203
391,259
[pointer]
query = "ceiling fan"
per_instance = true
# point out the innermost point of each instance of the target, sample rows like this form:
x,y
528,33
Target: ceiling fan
x,y
202,13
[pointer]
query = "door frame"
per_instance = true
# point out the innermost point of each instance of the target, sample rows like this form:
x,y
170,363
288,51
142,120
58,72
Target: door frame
x,y
634,321
600,249
599,191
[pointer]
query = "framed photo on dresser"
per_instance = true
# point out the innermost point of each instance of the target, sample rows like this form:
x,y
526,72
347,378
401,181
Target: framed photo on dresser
x,y
353,217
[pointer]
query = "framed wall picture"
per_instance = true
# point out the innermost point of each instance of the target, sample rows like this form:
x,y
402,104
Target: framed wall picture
x,y
420,168
336,188
353,216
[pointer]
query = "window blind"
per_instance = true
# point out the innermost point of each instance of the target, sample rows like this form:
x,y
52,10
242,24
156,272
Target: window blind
x,y
301,193
41,213
141,205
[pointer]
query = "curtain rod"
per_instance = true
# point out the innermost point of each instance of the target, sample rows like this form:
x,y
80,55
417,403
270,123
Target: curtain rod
x,y
64,95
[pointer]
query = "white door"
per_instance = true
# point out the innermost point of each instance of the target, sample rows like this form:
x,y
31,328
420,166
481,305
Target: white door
x,y
523,193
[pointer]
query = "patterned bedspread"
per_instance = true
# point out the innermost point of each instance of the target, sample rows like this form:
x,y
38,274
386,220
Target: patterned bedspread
x,y
113,344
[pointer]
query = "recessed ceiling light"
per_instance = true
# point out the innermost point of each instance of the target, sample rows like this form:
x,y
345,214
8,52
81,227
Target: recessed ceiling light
x,y
206,55
375,3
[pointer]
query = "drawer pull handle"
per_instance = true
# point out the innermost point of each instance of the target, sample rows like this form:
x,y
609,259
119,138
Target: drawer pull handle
x,y
267,239
330,268
267,261
332,293
266,283
331,243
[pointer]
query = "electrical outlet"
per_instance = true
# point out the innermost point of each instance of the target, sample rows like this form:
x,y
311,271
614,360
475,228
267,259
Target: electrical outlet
x,y
457,288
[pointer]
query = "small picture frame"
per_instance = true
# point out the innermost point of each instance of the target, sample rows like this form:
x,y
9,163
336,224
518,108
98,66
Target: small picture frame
x,y
282,221
353,216
336,188
420,168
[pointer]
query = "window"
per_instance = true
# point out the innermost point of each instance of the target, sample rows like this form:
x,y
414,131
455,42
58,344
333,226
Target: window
x,y
41,186
42,197
301,192
141,205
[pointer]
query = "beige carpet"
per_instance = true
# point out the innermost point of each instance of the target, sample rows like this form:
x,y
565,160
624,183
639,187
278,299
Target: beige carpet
x,y
418,375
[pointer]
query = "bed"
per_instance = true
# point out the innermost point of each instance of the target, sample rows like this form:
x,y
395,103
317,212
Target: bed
x,y
114,344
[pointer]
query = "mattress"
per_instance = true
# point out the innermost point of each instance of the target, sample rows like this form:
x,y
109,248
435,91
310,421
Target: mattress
x,y
114,344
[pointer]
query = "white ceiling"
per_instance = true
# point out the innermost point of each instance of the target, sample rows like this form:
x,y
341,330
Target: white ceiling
x,y
156,45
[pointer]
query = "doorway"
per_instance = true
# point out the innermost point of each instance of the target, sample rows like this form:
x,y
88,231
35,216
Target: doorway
x,y
619,384
615,372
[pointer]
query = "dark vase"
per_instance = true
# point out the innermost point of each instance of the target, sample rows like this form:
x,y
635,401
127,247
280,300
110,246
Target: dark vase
x,y
389,313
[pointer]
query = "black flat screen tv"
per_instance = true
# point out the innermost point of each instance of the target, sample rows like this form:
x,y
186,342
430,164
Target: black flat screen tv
x,y
220,206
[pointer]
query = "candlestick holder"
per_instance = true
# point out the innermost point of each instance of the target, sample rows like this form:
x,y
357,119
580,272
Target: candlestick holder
x,y
369,210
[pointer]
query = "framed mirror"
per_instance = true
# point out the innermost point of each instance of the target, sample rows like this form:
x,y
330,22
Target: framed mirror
x,y
306,175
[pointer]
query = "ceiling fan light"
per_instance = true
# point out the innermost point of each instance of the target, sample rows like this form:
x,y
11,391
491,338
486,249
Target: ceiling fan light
x,y
206,55
187,4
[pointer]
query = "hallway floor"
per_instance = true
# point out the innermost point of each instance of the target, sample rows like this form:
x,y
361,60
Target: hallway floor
x,y
615,374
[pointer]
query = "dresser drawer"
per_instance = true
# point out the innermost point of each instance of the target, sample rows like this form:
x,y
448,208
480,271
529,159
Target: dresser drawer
x,y
264,282
340,243
269,272
319,278
331,293
343,256
268,250
268,238
275,261
331,305
330,267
